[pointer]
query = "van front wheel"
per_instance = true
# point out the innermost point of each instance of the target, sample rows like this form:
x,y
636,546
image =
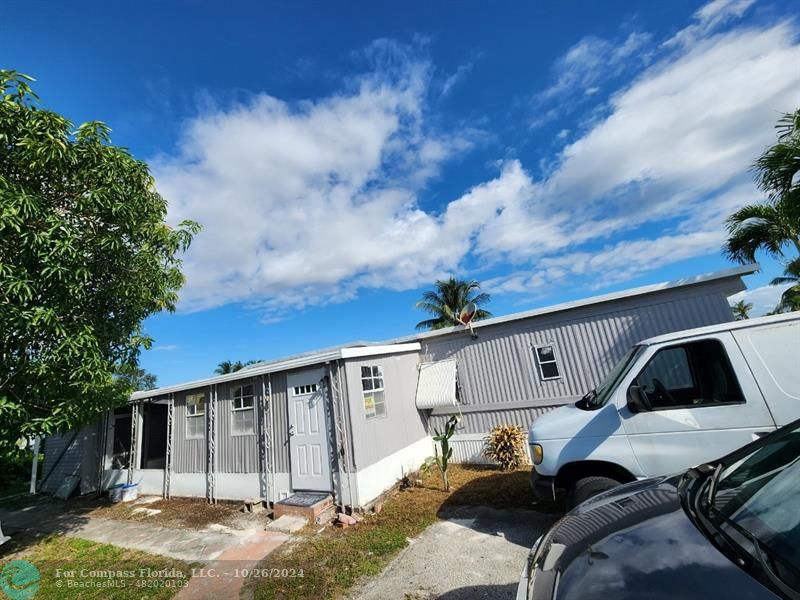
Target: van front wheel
x,y
586,487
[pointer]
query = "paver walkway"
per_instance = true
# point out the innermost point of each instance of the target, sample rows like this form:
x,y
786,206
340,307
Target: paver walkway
x,y
225,576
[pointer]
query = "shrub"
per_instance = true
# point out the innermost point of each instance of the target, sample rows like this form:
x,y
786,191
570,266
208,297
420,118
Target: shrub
x,y
505,445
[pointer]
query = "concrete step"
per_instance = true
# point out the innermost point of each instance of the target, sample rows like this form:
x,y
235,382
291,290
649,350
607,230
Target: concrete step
x,y
309,505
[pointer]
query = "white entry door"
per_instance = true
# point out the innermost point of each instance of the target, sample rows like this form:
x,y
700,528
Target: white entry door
x,y
308,433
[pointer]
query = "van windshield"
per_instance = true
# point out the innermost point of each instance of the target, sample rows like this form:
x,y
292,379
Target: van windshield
x,y
600,395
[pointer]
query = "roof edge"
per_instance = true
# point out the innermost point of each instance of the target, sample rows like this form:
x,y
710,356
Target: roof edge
x,y
293,362
629,293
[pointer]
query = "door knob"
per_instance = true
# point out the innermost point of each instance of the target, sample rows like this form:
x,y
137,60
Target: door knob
x,y
291,430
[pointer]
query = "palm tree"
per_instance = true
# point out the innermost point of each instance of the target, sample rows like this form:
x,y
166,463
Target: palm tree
x,y
227,366
773,225
447,299
790,299
741,310
769,227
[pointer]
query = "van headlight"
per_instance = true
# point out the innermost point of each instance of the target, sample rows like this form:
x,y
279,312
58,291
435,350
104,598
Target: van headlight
x,y
537,454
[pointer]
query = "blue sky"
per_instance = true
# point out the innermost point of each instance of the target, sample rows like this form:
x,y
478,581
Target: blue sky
x,y
341,156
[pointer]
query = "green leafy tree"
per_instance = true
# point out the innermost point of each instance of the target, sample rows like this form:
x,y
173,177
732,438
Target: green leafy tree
x,y
138,379
741,310
228,366
773,226
85,257
447,299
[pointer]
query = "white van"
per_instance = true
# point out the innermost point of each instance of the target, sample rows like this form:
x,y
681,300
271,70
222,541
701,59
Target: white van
x,y
672,402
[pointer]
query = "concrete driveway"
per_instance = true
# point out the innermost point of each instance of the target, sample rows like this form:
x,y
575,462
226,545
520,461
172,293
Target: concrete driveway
x,y
477,552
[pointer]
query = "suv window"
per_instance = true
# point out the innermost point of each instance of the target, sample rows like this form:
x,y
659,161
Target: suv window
x,y
691,374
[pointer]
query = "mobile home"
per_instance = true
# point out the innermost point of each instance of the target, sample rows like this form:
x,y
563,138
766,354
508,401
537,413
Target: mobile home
x,y
352,420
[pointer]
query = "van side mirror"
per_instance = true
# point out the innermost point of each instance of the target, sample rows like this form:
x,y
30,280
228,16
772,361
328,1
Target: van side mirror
x,y
638,400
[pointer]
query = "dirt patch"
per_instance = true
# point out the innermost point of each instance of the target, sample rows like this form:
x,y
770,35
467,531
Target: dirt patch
x,y
193,513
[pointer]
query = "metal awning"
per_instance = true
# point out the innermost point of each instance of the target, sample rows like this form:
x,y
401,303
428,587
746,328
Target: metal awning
x,y
436,386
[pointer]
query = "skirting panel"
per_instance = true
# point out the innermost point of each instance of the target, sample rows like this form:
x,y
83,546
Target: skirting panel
x,y
375,479
190,485
151,481
238,486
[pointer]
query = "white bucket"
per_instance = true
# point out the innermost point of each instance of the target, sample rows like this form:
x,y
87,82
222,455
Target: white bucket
x,y
123,492
130,492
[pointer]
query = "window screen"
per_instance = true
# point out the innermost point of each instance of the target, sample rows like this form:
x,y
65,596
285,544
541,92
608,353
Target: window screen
x,y
546,359
243,413
121,443
692,374
374,393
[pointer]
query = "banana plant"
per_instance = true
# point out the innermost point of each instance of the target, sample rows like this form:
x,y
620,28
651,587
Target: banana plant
x,y
443,439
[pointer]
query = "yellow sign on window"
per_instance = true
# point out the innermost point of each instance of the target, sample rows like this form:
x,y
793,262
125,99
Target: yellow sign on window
x,y
369,404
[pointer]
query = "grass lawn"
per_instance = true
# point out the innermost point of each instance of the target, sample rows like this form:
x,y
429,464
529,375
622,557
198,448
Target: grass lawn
x,y
69,568
333,560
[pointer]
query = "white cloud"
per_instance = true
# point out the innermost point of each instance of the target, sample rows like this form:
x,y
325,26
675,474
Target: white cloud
x,y
709,17
687,125
764,299
307,203
456,77
615,263
583,69
166,348
591,61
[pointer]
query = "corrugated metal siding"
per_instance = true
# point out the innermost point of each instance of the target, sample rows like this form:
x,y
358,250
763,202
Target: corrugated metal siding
x,y
374,439
190,455
280,423
80,458
482,422
236,453
500,367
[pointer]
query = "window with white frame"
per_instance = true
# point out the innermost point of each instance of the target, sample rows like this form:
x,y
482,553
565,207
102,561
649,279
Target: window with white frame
x,y
195,415
547,361
243,420
303,390
374,393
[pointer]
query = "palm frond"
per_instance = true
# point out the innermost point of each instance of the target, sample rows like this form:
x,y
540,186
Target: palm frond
x,y
427,324
790,300
755,227
447,299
